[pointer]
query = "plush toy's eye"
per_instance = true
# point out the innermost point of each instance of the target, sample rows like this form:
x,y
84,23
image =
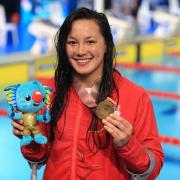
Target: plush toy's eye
x,y
43,99
28,98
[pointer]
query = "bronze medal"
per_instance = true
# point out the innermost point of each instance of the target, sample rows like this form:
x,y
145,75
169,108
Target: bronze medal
x,y
104,109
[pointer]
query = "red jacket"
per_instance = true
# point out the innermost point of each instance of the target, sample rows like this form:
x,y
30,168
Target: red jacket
x,y
69,157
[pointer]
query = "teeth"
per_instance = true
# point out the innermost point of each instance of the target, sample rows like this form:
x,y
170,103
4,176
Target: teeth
x,y
83,60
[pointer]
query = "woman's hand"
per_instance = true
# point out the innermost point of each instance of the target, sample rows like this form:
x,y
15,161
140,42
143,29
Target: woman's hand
x,y
17,127
120,129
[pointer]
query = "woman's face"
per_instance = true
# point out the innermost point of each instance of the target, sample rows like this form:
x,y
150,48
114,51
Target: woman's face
x,y
85,48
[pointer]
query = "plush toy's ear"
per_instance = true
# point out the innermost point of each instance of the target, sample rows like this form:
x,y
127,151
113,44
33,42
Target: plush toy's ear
x,y
36,82
10,92
48,93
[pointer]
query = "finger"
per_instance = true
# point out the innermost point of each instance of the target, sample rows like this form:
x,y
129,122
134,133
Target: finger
x,y
108,129
113,130
122,124
116,123
110,123
115,133
17,125
18,121
119,133
16,132
122,120
120,138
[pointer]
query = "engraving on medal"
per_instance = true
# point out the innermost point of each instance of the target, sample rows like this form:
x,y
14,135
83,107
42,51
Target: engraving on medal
x,y
105,108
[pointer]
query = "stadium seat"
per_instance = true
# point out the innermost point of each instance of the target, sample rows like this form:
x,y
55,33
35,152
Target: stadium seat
x,y
6,27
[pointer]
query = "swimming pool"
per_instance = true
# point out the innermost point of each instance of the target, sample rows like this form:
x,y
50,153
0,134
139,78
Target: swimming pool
x,y
13,165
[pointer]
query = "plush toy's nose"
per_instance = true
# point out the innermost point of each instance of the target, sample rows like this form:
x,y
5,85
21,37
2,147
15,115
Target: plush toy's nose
x,y
37,96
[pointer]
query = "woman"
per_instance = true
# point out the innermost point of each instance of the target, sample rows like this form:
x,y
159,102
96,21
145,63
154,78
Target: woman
x,y
122,145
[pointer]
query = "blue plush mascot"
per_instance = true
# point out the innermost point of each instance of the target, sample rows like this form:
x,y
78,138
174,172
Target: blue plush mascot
x,y
25,101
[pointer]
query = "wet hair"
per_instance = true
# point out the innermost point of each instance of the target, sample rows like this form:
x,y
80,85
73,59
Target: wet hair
x,y
64,70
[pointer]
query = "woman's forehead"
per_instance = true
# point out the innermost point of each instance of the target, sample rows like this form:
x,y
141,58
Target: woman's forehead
x,y
85,27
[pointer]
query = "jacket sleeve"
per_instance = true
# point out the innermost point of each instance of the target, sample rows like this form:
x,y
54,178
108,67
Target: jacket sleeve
x,y
145,136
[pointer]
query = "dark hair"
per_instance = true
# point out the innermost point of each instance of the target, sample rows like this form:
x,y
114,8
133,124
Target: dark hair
x,y
63,73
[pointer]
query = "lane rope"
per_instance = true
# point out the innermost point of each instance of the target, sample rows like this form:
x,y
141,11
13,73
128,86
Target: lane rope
x,y
167,95
170,140
145,67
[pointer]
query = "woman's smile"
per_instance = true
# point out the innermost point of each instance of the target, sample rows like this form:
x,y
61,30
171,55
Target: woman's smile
x,y
83,61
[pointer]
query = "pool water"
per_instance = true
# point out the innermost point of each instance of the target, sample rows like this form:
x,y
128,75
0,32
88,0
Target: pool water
x,y
14,166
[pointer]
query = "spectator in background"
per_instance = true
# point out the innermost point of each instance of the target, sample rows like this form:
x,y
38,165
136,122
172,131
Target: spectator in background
x,y
12,8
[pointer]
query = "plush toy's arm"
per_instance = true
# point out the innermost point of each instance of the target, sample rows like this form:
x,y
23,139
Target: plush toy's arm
x,y
44,118
14,115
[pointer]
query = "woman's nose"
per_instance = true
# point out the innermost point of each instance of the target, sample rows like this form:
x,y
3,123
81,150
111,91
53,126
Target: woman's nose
x,y
81,50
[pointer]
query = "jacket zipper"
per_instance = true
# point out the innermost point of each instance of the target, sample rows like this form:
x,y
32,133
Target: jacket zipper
x,y
75,138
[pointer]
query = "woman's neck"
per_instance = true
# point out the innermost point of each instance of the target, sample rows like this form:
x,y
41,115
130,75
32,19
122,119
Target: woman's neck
x,y
87,89
87,81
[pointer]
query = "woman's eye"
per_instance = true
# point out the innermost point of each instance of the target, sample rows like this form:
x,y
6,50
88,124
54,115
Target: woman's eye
x,y
28,98
72,42
91,42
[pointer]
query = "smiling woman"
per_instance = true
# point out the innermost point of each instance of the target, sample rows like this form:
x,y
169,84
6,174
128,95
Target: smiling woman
x,y
102,125
83,44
